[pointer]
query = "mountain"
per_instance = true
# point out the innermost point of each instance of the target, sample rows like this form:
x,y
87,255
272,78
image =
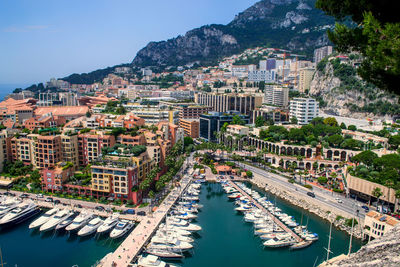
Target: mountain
x,y
342,92
292,24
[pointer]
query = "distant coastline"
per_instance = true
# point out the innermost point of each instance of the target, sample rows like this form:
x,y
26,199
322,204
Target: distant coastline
x,y
6,89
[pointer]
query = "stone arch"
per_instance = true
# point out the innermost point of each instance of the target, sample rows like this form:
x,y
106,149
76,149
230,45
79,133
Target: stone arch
x,y
289,151
283,150
296,151
287,163
309,153
303,152
329,166
329,154
336,167
336,153
322,165
301,165
343,156
308,166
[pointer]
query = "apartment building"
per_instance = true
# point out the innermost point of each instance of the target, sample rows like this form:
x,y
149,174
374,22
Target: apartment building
x,y
268,76
154,116
243,103
237,130
191,127
69,148
54,177
271,113
21,150
90,145
131,140
377,225
276,96
305,78
304,109
46,150
322,52
3,149
192,111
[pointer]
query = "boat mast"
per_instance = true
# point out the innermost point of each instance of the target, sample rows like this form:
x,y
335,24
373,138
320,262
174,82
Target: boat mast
x,y
329,243
351,235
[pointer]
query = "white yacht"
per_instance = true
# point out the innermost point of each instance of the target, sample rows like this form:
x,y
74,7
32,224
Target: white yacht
x,y
273,235
44,218
7,205
151,261
121,229
170,244
277,242
91,227
108,224
19,214
81,220
54,221
182,238
67,221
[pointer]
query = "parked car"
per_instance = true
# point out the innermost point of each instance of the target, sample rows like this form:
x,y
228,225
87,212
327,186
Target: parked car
x,y
39,195
78,206
311,194
56,201
339,200
141,213
9,194
109,209
129,211
49,199
100,208
365,208
24,195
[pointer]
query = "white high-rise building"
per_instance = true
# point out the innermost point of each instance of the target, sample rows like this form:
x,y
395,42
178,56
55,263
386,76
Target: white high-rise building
x,y
322,52
276,95
304,109
267,76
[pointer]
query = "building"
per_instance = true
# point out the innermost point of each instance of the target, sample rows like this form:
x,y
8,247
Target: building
x,y
276,95
53,178
3,149
211,123
268,76
243,103
304,109
322,52
69,149
191,111
68,99
377,225
67,112
90,145
46,150
237,130
305,78
271,113
21,150
241,71
154,116
191,127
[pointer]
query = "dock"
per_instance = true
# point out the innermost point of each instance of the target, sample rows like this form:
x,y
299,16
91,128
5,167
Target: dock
x,y
132,246
276,220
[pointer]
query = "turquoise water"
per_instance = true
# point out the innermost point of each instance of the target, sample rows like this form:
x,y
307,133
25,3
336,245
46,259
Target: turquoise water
x,y
24,247
226,240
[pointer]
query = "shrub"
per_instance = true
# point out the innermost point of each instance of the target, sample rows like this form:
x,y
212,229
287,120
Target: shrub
x,y
338,218
308,186
349,222
337,190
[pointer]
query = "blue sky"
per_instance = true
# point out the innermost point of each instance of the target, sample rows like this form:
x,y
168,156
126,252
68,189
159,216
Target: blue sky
x,y
40,39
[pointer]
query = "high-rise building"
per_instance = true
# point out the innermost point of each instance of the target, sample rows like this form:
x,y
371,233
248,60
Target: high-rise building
x,y
305,78
46,150
322,52
90,145
304,109
190,126
276,95
243,103
69,148
212,122
268,76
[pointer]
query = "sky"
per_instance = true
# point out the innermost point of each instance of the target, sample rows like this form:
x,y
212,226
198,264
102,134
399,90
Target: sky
x,y
41,39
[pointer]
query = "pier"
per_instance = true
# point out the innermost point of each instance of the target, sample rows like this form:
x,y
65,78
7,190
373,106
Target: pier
x,y
132,246
276,220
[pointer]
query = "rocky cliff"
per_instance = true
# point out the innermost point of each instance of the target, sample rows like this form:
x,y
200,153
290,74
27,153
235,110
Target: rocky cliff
x,y
342,92
381,252
290,24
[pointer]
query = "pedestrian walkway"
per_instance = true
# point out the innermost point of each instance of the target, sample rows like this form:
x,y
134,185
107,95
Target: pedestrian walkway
x,y
132,246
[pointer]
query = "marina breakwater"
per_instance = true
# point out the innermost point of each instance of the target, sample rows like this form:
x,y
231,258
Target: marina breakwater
x,y
310,205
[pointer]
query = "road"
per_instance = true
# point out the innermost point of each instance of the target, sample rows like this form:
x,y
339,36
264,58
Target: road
x,y
328,198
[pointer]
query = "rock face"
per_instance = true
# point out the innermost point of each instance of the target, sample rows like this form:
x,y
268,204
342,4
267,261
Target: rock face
x,y
292,24
381,252
339,98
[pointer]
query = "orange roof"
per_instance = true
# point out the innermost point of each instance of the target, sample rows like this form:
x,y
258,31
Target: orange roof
x,y
223,168
62,111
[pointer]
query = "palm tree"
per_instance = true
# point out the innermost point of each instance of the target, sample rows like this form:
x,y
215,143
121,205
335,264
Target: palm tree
x,y
397,195
389,184
377,192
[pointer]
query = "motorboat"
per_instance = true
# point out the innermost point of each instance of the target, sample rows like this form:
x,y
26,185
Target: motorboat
x,y
172,244
268,230
44,218
309,236
91,227
80,221
185,216
7,205
67,221
151,261
121,229
174,230
19,214
164,254
234,196
273,235
182,238
277,242
108,224
55,220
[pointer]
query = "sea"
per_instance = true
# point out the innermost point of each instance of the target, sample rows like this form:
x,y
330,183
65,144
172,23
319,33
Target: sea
x,y
7,88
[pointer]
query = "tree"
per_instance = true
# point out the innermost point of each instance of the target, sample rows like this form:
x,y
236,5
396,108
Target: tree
x,y
343,126
261,86
352,128
377,192
296,135
322,180
394,141
260,121
331,121
237,120
317,120
249,174
366,157
293,120
187,140
374,35
335,140
88,114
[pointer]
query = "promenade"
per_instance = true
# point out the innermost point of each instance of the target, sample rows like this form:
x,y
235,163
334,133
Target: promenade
x,y
132,246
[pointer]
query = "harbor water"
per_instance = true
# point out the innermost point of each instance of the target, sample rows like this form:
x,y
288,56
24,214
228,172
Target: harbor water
x,y
227,240
24,247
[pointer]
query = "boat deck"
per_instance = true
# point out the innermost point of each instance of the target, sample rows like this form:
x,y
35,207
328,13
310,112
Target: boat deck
x,y
132,246
276,220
